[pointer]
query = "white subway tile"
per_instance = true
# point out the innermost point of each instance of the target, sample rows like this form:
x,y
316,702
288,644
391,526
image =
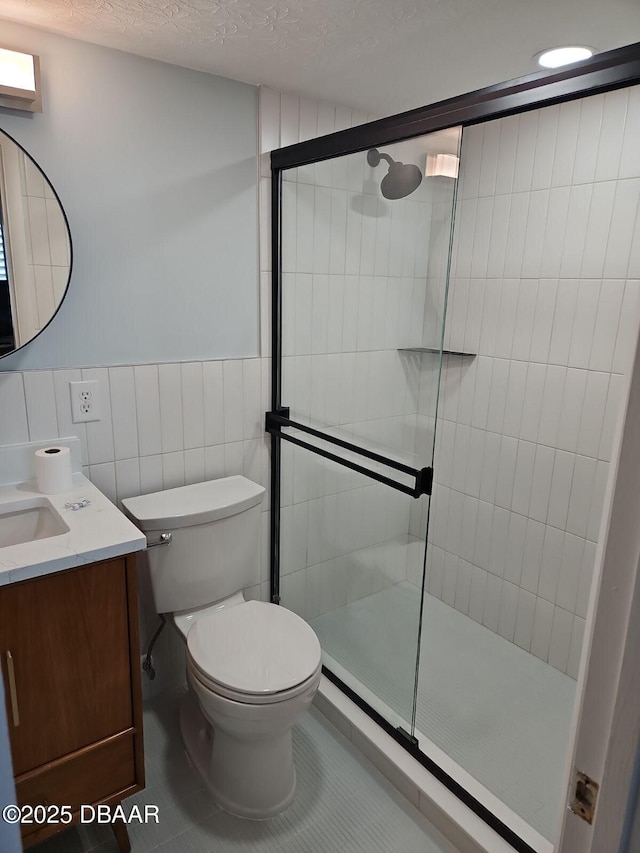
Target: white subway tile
x,y
490,467
252,408
523,479
576,230
484,526
214,462
542,626
551,562
506,153
524,321
598,229
532,556
103,476
534,236
148,409
171,425
499,534
606,325
525,154
592,415
233,400
581,495
41,405
514,403
541,483
14,427
545,147
570,569
477,594
498,238
498,394
508,610
571,410
506,471
584,167
622,230
194,467
514,552
630,155
524,619
543,319
564,315
532,403
560,489
173,469
597,501
552,399
233,458
566,142
122,387
127,472
493,593
481,238
611,135
560,639
553,243
516,234
489,159
463,586
627,338
150,474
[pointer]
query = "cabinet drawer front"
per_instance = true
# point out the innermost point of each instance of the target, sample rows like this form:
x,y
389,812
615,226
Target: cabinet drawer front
x,y
64,641
90,776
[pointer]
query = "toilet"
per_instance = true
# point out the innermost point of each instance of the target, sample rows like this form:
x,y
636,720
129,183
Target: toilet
x,y
253,668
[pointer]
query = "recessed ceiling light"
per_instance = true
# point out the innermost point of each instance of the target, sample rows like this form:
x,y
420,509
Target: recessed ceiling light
x,y
559,56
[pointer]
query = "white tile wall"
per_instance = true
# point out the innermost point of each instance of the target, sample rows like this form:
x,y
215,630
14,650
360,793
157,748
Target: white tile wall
x,y
355,269
545,289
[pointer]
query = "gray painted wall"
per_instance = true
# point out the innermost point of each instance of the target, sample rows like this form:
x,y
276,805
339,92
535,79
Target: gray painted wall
x,y
156,169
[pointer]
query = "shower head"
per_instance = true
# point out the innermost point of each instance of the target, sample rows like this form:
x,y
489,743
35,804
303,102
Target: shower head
x,y
401,179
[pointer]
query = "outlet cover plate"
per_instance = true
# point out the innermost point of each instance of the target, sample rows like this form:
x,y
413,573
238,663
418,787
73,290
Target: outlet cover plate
x,y
85,401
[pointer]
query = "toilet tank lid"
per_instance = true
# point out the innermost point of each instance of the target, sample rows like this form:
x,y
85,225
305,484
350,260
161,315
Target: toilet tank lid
x,y
194,504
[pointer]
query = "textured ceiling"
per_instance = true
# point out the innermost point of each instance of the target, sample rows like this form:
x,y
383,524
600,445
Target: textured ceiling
x,y
383,56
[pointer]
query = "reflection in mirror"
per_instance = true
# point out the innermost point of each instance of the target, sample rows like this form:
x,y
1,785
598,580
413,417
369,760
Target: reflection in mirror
x,y
35,248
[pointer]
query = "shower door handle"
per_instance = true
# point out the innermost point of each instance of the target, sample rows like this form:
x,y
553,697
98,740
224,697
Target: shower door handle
x,y
274,421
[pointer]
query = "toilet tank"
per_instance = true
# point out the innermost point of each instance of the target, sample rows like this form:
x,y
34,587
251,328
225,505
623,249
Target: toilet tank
x,y
215,541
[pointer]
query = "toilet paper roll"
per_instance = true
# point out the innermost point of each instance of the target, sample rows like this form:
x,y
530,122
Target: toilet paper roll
x,y
53,470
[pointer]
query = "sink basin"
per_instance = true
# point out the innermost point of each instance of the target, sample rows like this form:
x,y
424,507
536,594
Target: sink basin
x,y
29,520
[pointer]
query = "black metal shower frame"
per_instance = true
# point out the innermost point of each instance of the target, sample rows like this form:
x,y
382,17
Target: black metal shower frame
x,y
614,69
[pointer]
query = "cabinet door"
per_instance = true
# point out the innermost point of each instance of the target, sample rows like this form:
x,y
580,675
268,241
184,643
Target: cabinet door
x,y
67,635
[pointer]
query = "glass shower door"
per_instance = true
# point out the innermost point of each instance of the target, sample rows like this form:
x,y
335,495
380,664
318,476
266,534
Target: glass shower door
x,y
365,243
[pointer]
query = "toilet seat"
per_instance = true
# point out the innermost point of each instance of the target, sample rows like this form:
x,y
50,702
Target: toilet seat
x,y
255,653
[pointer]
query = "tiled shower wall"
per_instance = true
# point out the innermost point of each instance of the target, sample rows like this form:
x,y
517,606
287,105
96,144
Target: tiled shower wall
x,y
355,268
544,288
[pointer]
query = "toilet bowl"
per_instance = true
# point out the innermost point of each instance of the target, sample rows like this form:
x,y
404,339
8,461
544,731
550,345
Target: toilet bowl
x,y
252,668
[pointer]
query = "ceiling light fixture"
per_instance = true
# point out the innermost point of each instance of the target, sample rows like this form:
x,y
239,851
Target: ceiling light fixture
x,y
20,81
559,56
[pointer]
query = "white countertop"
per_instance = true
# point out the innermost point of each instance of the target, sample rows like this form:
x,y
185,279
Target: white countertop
x,y
98,531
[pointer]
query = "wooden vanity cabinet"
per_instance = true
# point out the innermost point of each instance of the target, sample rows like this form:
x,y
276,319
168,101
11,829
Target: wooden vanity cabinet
x,y
70,662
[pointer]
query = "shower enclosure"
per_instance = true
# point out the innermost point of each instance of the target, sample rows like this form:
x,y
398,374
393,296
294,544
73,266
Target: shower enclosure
x,y
449,354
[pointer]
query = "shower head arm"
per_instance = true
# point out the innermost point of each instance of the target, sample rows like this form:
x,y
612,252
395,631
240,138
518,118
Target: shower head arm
x,y
374,156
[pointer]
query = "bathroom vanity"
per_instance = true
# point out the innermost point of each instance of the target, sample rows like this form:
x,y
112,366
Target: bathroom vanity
x,y
70,655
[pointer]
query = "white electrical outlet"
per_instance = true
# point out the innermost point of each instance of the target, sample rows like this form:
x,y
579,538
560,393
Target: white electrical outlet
x,y
85,401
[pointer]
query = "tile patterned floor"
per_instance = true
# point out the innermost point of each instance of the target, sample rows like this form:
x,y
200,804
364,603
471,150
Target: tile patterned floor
x,y
342,803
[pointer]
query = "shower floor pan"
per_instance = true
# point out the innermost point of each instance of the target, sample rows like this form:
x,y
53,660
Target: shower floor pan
x,y
501,714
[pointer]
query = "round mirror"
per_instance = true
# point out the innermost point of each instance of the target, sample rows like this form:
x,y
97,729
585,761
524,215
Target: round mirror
x,y
35,248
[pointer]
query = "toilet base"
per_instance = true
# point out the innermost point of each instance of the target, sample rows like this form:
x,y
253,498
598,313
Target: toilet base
x,y
252,778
